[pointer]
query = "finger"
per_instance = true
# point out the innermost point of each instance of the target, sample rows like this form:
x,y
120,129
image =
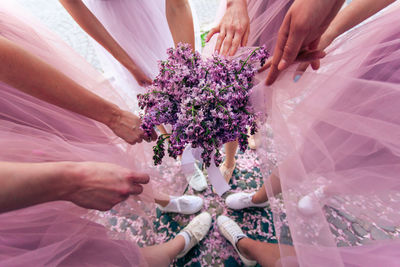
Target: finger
x,y
138,178
227,43
211,33
124,196
148,138
302,67
153,135
291,48
266,65
278,51
315,64
314,44
310,56
147,81
235,44
131,142
143,135
246,36
136,189
220,40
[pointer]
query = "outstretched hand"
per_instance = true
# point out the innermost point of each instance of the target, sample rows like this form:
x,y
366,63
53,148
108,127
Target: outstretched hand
x,y
103,185
141,78
325,41
302,27
233,29
127,126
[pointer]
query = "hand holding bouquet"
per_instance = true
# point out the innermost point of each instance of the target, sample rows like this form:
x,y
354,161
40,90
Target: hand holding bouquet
x,y
206,101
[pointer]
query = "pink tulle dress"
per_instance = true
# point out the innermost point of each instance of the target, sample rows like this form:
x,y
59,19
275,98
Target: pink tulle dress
x,y
336,131
141,29
59,233
333,136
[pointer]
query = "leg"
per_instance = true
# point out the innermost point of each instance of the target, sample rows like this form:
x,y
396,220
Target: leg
x,y
249,250
180,21
228,165
189,237
162,200
261,195
162,129
265,254
242,200
230,152
171,248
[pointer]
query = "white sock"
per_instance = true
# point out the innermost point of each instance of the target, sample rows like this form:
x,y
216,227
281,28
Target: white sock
x,y
186,236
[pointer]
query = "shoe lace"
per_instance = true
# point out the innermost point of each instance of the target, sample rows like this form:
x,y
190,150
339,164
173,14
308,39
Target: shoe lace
x,y
197,232
232,230
247,199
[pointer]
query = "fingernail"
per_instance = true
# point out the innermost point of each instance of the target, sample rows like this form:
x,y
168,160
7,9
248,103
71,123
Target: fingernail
x,y
282,64
296,78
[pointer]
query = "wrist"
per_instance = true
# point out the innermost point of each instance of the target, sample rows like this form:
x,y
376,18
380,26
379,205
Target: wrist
x,y
111,116
230,3
327,38
63,179
122,57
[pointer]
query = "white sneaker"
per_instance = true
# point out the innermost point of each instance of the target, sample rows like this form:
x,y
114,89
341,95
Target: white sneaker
x,y
197,180
197,229
309,204
184,204
242,200
231,231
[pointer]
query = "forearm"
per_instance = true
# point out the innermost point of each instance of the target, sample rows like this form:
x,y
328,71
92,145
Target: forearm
x,y
356,12
90,24
31,75
27,184
233,2
180,21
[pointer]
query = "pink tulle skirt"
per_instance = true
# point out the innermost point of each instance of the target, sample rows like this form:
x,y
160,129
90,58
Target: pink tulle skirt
x,y
338,129
31,130
141,29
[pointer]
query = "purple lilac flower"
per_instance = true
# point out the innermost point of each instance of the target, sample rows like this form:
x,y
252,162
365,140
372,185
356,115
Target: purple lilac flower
x,y
206,101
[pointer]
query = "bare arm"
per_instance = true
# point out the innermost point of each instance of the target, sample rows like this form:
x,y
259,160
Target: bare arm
x,y
355,13
53,86
24,184
56,88
180,21
87,184
96,30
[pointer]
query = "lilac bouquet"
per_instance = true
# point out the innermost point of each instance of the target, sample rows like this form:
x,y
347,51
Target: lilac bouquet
x,y
206,101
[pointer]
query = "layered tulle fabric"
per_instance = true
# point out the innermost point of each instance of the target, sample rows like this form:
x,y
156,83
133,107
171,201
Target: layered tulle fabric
x,y
34,131
55,235
337,130
141,29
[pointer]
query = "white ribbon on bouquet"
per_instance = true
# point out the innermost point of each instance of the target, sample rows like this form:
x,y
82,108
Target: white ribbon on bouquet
x,y
189,157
